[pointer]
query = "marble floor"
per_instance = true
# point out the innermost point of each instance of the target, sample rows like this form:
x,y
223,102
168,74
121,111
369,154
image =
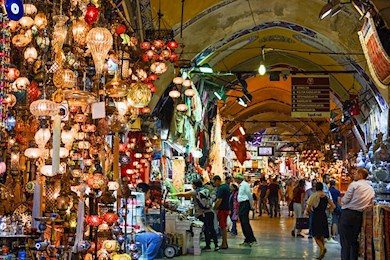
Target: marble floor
x,y
274,242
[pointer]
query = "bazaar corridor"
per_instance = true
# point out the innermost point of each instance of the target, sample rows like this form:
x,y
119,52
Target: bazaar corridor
x,y
274,242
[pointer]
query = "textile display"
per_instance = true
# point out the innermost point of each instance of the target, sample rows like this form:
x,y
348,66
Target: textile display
x,y
366,235
178,174
378,232
216,160
387,232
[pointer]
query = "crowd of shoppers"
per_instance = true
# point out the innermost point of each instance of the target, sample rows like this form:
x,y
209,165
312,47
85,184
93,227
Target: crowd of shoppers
x,y
321,202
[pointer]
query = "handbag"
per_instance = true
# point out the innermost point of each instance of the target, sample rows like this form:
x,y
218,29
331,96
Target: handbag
x,y
302,223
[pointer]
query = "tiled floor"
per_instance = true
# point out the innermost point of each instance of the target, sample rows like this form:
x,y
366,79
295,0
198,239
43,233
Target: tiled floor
x,y
274,242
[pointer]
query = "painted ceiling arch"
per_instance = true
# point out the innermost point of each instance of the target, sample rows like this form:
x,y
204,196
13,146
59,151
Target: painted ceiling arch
x,y
225,35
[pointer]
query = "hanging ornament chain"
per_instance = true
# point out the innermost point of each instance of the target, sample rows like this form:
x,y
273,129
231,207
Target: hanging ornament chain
x,y
4,66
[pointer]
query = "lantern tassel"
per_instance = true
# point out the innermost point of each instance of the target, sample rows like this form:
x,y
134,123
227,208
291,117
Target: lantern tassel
x,y
56,144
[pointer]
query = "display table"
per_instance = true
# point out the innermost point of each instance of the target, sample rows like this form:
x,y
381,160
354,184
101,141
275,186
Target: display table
x,y
189,229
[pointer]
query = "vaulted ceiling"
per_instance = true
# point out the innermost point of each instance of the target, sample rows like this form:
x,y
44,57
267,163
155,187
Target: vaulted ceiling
x,y
229,35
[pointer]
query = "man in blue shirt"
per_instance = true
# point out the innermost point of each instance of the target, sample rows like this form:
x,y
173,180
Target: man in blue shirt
x,y
336,213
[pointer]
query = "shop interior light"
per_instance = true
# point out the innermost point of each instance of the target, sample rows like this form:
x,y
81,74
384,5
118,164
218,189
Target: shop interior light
x,y
220,94
242,131
206,69
332,8
241,102
262,69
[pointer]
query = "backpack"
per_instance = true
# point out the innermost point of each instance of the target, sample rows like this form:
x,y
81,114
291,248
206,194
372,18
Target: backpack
x,y
203,198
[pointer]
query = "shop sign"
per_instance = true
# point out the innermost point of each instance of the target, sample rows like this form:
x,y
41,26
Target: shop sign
x,y
310,96
377,58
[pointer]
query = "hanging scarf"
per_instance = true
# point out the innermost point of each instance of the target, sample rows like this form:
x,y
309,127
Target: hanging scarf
x,y
80,225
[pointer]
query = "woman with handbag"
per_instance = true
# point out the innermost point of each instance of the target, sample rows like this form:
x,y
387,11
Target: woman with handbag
x,y
318,204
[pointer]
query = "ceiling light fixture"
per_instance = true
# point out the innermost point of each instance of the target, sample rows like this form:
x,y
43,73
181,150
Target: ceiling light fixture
x,y
242,131
206,69
241,102
332,8
262,69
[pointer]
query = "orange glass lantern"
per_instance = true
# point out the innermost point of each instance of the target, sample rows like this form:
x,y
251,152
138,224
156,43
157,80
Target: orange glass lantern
x,y
94,220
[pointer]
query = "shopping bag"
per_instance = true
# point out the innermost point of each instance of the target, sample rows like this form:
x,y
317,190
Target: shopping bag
x,y
302,223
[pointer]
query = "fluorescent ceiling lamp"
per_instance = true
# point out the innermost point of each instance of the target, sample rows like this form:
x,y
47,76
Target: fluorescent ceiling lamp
x,y
242,131
220,94
206,69
336,10
262,69
234,138
242,102
326,10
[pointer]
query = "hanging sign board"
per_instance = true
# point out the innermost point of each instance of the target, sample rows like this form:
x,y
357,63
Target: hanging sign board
x,y
377,59
310,96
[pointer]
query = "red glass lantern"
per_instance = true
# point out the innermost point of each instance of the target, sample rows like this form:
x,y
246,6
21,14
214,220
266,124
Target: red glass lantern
x,y
158,44
97,181
153,77
13,73
145,57
153,89
120,29
146,110
173,44
150,85
92,14
150,54
122,147
94,220
145,45
173,57
110,218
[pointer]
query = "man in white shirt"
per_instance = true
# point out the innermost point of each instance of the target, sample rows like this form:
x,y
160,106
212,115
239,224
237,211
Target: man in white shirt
x,y
246,201
359,196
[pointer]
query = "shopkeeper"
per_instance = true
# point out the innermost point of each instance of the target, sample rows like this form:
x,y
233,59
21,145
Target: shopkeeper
x,y
150,239
358,197
206,215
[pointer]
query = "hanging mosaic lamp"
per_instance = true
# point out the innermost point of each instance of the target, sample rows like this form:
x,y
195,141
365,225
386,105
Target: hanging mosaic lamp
x,y
99,42
116,87
44,107
80,31
139,95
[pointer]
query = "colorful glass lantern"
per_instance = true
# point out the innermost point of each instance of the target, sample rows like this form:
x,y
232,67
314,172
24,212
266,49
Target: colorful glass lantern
x,y
99,42
92,14
33,153
189,92
44,107
94,220
174,93
110,218
40,21
182,107
139,95
80,31
97,181
42,137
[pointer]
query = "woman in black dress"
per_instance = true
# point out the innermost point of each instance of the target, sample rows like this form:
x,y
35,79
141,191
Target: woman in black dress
x,y
318,203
